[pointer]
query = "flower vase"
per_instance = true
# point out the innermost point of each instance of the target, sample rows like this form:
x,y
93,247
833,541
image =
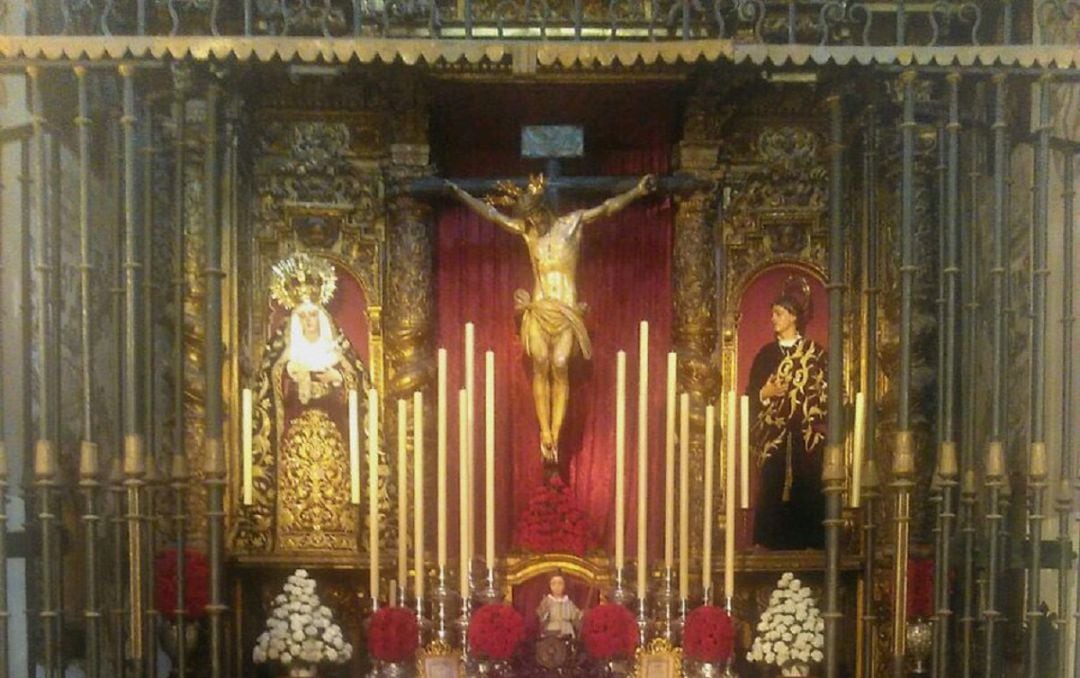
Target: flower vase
x,y
920,640
306,671
173,645
705,669
491,667
795,670
617,667
392,669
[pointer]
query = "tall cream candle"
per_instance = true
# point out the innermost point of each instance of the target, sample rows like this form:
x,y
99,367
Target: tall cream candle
x,y
470,416
392,596
620,460
684,496
707,518
744,452
489,459
440,461
373,488
354,446
246,446
729,501
419,524
463,489
858,444
643,460
402,493
669,463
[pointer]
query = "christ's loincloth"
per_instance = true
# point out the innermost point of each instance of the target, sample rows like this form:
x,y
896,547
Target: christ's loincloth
x,y
552,318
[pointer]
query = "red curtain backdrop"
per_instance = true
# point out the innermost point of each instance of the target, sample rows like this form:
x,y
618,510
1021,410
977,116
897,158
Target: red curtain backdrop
x,y
755,330
624,276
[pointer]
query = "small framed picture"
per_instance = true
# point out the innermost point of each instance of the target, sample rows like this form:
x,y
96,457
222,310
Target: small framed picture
x,y
658,659
439,660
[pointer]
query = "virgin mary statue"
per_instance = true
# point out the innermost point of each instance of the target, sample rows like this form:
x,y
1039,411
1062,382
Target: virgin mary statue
x,y
301,420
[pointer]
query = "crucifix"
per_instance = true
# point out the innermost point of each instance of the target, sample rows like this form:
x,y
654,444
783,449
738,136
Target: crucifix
x,y
552,318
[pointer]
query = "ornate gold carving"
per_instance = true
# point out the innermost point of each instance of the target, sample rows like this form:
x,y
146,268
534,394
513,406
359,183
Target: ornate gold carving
x,y
774,197
409,291
438,657
317,187
315,513
695,322
595,571
301,278
194,325
658,659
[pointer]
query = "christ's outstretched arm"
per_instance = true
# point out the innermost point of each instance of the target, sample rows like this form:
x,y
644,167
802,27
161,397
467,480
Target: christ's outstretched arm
x,y
485,210
620,202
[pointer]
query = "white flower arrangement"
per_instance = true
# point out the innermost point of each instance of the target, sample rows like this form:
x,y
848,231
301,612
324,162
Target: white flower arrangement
x,y
300,629
791,630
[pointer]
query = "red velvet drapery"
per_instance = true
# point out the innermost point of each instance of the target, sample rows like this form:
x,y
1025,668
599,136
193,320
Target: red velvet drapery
x,y
624,276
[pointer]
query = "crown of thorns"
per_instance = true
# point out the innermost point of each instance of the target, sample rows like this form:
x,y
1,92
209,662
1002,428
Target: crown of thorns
x,y
507,193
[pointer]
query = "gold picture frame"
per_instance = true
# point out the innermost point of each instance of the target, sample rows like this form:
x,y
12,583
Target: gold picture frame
x,y
658,659
439,660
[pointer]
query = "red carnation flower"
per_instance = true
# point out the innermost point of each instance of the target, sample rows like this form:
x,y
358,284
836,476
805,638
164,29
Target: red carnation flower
x,y
196,583
495,631
709,635
552,522
609,631
392,635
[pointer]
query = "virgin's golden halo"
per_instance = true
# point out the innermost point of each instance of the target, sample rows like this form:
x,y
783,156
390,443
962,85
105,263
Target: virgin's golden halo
x,y
302,277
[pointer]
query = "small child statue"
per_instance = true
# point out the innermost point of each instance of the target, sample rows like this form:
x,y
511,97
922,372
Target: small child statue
x,y
559,617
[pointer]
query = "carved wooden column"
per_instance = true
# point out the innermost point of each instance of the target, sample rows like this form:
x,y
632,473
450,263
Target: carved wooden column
x,y
409,311
694,331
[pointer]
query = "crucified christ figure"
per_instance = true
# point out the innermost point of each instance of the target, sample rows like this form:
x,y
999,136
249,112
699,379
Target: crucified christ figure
x,y
552,323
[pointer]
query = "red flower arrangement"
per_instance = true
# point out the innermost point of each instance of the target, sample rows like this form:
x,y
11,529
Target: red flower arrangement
x,y
609,631
392,635
495,631
920,588
552,522
709,635
196,584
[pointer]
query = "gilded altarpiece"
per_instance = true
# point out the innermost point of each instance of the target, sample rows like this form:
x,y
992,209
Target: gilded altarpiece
x,y
773,182
317,208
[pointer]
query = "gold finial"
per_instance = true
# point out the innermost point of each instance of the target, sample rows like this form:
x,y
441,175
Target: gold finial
x,y
833,468
153,471
134,459
214,466
1064,498
1037,465
970,487
904,456
179,473
45,464
116,471
947,468
995,461
870,479
89,461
